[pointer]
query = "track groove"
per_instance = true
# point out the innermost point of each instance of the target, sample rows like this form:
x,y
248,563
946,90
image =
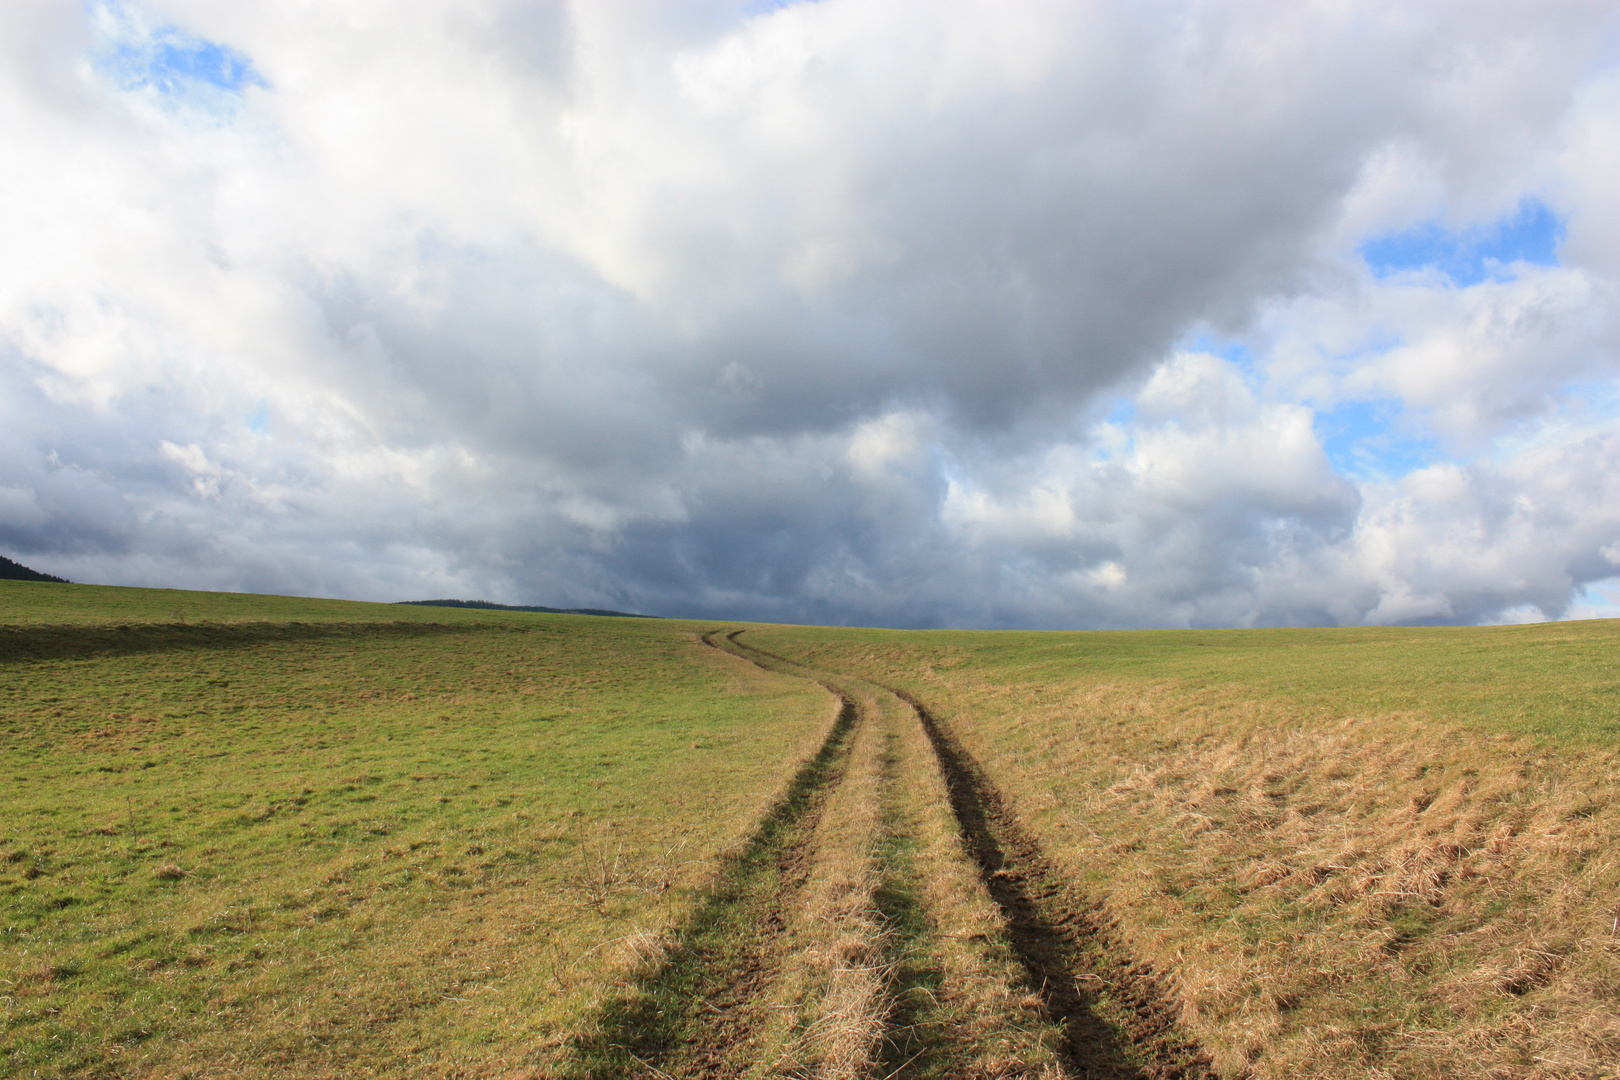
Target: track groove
x,y
1063,942
681,1020
894,1015
731,1022
1118,1022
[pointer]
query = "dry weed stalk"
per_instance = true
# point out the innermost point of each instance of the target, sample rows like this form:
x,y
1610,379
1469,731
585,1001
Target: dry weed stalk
x,y
610,867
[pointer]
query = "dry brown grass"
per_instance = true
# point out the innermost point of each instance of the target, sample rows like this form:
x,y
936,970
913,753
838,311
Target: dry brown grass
x,y
1341,899
638,954
1330,895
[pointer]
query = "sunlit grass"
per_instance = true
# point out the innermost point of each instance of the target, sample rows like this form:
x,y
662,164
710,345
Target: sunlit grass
x,y
249,836
229,846
1358,852
1558,680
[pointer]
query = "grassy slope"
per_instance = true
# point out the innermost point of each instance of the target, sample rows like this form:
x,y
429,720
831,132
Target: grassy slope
x,y
34,604
1357,850
337,838
1557,681
251,835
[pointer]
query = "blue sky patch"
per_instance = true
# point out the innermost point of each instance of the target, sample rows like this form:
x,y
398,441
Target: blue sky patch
x,y
1123,414
1600,599
1531,234
183,69
1362,440
1228,349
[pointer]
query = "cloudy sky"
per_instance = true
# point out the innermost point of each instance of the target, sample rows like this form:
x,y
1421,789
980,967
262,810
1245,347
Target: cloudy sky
x,y
1063,314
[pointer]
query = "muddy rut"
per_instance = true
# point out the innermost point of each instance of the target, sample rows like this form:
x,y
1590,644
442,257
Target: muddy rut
x,y
1116,1017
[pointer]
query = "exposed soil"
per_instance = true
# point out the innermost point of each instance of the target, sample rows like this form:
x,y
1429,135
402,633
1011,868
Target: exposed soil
x,y
1081,971
1117,1019
731,1015
728,1022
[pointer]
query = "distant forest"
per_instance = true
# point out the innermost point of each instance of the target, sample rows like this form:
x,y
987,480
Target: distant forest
x,y
526,607
12,571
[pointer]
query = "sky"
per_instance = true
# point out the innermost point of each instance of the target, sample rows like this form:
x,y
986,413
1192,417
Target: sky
x,y
949,313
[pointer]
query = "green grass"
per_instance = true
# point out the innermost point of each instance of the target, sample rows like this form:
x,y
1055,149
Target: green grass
x,y
1558,681
290,831
660,1018
253,836
33,604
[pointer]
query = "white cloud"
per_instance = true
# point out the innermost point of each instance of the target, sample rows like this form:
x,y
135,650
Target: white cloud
x,y
1474,361
890,444
813,313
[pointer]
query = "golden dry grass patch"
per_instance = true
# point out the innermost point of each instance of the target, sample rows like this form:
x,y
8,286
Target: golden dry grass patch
x,y
1332,891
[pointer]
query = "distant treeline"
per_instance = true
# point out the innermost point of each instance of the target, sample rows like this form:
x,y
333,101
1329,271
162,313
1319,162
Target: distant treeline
x,y
526,607
11,571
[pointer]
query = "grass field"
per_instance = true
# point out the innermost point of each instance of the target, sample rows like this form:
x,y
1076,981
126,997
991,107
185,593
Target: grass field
x,y
1351,852
349,839
257,836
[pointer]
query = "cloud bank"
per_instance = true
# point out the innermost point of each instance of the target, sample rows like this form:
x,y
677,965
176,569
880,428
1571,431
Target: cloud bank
x,y
1057,315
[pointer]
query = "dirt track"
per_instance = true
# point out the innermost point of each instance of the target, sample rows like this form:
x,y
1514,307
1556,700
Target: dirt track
x,y
1063,942
730,1018
702,1015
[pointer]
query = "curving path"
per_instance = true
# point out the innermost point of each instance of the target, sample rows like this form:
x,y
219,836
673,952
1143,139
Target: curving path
x,y
735,998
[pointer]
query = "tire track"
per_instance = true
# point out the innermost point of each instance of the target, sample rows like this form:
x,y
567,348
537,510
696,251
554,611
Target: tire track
x,y
1083,974
697,1017
730,1022
868,1026
1118,1021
